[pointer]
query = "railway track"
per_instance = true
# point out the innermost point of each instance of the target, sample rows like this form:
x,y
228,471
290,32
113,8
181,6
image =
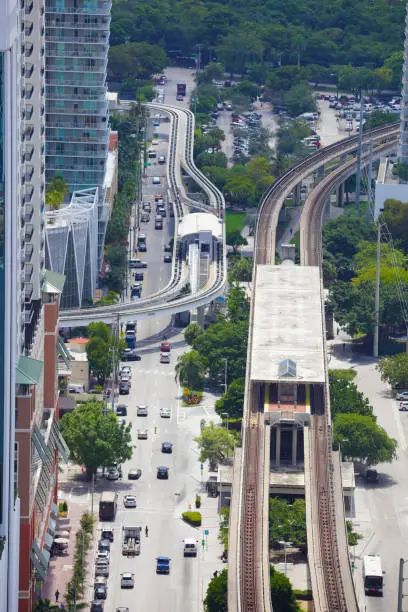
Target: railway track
x,y
337,594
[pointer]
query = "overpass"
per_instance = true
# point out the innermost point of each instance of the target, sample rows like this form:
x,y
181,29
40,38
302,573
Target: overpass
x,y
248,575
167,301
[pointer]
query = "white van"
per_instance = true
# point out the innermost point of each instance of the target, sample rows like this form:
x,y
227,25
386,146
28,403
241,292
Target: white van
x,y
190,547
76,388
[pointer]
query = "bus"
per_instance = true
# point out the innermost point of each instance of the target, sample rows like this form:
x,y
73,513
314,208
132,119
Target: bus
x,y
108,505
373,575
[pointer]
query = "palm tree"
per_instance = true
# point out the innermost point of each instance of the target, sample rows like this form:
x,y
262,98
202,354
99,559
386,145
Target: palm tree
x,y
190,369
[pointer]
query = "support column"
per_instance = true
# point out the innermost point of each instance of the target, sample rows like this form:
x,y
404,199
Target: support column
x,y
278,445
320,173
294,445
297,194
340,195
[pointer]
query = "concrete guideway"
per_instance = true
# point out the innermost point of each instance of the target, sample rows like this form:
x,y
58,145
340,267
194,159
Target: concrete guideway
x,y
248,588
165,302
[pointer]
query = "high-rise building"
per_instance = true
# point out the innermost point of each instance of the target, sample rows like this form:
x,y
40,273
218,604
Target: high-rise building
x,y
77,134
11,315
403,148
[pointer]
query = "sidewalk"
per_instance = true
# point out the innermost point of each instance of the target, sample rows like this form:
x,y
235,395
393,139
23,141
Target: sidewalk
x,y
61,566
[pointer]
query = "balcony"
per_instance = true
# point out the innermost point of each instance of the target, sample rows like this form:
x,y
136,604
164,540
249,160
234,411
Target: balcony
x,y
27,70
28,133
28,253
29,92
28,195
28,174
28,273
28,7
28,49
28,111
28,213
28,153
28,28
28,291
29,231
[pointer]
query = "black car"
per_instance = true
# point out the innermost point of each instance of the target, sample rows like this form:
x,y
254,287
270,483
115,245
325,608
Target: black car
x,y
167,447
121,410
167,248
100,592
97,606
107,534
167,258
124,388
131,355
134,474
162,472
139,276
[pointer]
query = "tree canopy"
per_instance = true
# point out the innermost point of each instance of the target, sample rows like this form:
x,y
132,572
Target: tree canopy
x,y
344,395
96,438
215,443
394,370
55,192
103,350
232,402
190,369
362,439
287,522
282,595
216,599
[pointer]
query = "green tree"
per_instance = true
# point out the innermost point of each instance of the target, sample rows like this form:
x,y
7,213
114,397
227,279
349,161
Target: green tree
x,y
55,192
216,599
44,605
215,443
241,270
232,402
344,395
190,369
224,527
282,595
135,60
103,350
212,72
287,522
237,304
395,215
299,99
192,332
235,239
96,438
361,439
394,370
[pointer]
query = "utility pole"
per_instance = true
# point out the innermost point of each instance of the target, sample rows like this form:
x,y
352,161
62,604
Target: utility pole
x,y
359,150
377,292
370,183
400,584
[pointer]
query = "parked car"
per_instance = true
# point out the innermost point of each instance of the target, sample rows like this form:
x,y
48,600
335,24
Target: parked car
x,y
402,396
129,501
403,406
131,355
134,474
104,545
124,388
142,411
121,410
162,472
139,276
100,581
137,263
167,248
107,534
100,592
161,159
167,258
112,474
167,447
97,605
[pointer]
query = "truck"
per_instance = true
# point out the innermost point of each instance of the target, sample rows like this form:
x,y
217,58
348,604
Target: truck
x,y
181,89
108,505
373,575
163,565
131,541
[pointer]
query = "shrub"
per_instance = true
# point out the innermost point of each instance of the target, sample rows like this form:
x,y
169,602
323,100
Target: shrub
x,y
303,595
197,501
87,522
192,518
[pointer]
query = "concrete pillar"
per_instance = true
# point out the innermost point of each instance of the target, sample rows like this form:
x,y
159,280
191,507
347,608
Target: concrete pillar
x,y
278,445
320,173
294,444
296,193
340,195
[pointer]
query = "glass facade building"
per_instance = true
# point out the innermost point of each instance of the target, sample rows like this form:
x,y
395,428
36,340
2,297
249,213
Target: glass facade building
x,y
77,44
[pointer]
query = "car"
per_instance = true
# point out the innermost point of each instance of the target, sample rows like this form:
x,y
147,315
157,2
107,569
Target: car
x,y
156,123
137,263
135,294
165,413
126,370
402,396
162,472
131,355
107,534
100,581
122,609
134,474
167,248
163,565
97,605
147,207
104,545
127,580
179,98
167,447
165,347
142,411
129,501
124,377
100,592
103,554
161,159
124,388
121,410
156,180
142,434
155,142
167,258
403,406
145,217
164,358
112,474
102,569
139,276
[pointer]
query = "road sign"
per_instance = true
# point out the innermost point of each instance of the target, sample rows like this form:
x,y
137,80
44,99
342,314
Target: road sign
x,y
203,543
206,532
202,466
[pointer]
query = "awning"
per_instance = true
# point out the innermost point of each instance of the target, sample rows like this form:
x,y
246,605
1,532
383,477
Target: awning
x,y
28,371
39,568
62,445
48,541
53,282
52,526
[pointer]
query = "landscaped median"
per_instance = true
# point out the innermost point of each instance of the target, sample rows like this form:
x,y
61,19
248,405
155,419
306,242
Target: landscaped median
x,y
192,518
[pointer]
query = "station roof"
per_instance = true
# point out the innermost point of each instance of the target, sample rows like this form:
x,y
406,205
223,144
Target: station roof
x,y
194,223
287,340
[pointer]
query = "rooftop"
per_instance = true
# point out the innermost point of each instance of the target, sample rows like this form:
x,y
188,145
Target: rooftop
x,y
78,341
194,223
110,169
287,324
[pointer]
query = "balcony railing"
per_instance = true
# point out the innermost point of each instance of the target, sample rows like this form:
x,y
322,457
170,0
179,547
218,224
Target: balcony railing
x,y
56,22
29,92
28,252
28,133
28,28
103,8
28,272
28,7
27,70
28,153
28,213
101,39
28,49
28,195
29,231
28,111
28,174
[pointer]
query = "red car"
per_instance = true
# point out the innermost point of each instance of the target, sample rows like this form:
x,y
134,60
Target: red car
x,y
165,347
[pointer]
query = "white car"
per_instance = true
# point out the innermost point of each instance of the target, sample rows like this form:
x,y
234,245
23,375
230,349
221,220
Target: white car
x,y
403,406
156,180
155,142
402,396
127,581
126,371
142,434
129,501
141,411
165,413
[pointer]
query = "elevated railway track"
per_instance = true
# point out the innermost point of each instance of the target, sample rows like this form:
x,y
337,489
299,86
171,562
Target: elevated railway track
x,y
248,581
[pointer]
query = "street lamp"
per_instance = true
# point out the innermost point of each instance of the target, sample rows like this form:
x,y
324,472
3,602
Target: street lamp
x,y
225,374
285,545
226,415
